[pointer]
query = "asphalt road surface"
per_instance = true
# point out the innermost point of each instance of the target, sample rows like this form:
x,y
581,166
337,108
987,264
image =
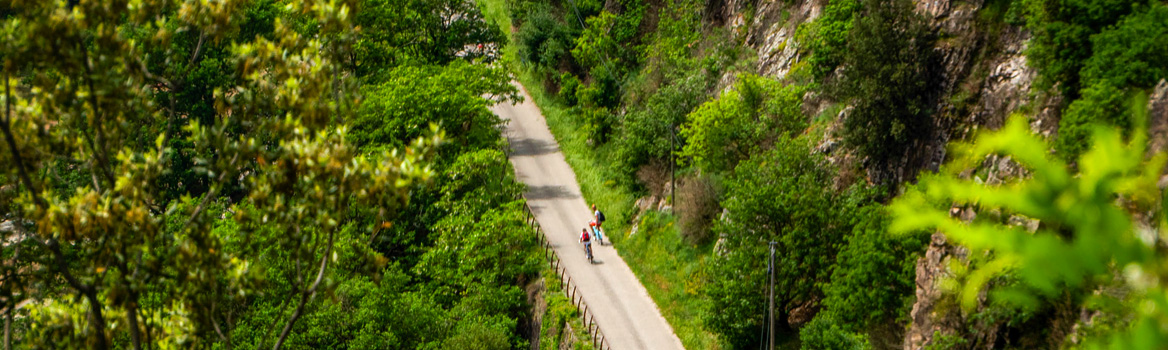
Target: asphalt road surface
x,y
625,313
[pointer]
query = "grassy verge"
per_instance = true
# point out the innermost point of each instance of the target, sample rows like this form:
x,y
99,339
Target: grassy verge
x,y
560,312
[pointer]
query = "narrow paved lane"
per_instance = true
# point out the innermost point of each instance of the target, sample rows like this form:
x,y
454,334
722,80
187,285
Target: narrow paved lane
x,y
624,311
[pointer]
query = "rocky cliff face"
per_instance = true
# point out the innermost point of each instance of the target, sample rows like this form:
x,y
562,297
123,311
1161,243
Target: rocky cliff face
x,y
770,29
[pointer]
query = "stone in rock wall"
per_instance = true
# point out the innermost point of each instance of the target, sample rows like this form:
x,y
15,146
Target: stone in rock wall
x,y
771,32
1158,118
927,318
1008,84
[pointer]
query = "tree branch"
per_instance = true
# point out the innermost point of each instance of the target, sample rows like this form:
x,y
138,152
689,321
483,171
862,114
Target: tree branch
x,y
198,51
207,196
98,321
308,294
215,324
21,167
101,154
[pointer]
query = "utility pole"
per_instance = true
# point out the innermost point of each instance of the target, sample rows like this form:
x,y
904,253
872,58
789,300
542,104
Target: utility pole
x,y
771,300
672,176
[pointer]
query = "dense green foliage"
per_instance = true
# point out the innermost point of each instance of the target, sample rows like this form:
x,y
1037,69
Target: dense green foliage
x,y
872,282
258,174
1062,28
1130,54
420,31
399,106
780,196
1089,240
827,37
826,334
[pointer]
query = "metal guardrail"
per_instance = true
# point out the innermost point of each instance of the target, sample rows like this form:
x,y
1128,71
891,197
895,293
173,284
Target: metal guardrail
x,y
570,289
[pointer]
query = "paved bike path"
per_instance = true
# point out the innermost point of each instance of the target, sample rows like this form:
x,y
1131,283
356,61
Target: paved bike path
x,y
625,313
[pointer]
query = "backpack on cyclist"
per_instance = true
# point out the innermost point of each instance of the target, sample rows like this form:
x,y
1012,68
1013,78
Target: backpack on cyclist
x,y
599,216
586,237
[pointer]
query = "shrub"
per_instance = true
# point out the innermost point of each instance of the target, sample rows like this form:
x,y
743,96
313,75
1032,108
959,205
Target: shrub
x,y
741,122
823,333
597,124
543,39
568,87
828,36
602,92
697,208
595,44
654,176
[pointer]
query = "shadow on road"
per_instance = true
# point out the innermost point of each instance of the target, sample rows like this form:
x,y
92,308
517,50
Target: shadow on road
x,y
532,147
549,192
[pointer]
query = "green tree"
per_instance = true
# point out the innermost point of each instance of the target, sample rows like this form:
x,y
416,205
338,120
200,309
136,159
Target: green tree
x,y
873,280
826,334
827,37
596,43
1129,56
544,40
398,108
780,195
886,79
77,88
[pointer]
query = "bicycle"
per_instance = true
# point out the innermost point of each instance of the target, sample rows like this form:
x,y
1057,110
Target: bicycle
x,y
587,240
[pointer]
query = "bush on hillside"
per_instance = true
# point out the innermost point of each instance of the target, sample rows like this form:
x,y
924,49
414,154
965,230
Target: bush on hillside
x,y
602,92
544,40
597,124
569,84
823,333
742,122
697,208
1133,54
828,36
1101,104
873,279
1060,31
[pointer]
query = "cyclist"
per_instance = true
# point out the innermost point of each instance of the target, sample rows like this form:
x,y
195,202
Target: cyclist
x,y
598,218
587,239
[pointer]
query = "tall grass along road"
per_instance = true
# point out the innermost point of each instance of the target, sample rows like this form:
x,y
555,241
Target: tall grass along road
x,y
623,309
